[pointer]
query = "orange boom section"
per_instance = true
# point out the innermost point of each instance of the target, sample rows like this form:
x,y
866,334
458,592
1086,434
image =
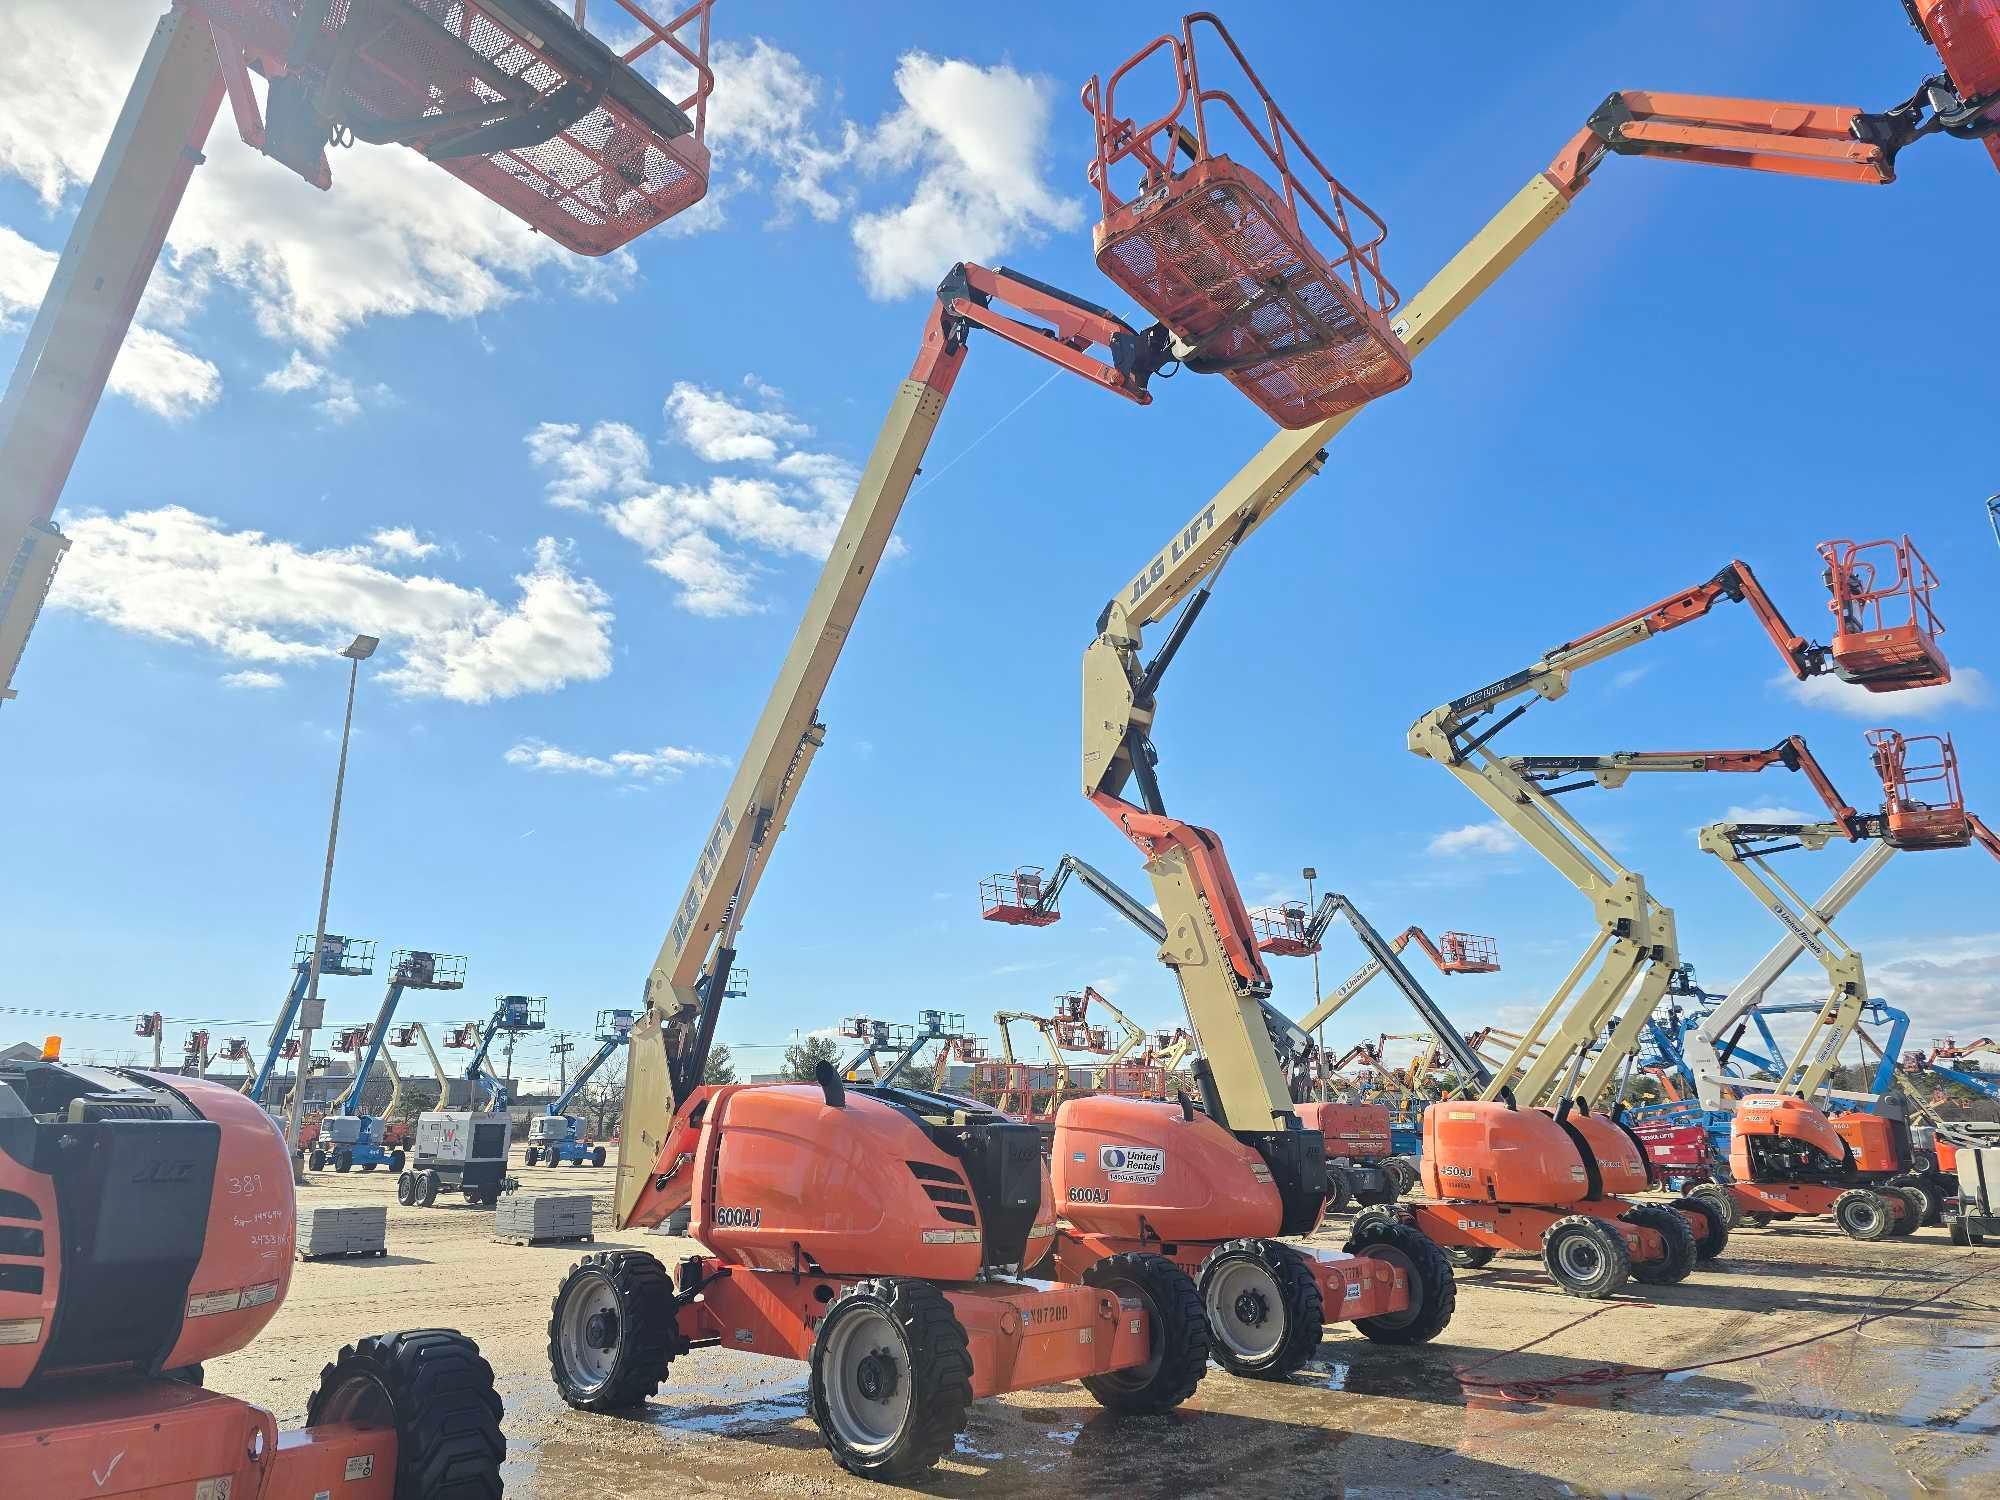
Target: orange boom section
x,y
1224,258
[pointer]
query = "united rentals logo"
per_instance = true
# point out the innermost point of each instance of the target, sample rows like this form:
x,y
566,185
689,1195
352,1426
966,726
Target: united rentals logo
x,y
1139,1164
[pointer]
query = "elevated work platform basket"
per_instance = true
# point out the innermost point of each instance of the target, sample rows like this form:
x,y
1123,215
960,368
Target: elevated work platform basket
x,y
1282,930
1019,899
341,955
1921,799
1223,257
1467,953
516,98
522,1012
417,969
615,1025
235,1049
1886,636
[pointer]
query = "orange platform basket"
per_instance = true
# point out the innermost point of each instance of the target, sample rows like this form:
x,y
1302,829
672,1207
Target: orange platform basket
x,y
1221,255
1921,799
513,97
1886,636
1281,930
1018,898
1467,953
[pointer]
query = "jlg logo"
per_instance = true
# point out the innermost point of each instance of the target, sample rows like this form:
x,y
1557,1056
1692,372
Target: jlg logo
x,y
739,1218
164,1172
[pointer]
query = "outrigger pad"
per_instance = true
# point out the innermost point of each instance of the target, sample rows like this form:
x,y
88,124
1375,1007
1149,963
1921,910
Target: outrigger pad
x,y
510,96
1219,259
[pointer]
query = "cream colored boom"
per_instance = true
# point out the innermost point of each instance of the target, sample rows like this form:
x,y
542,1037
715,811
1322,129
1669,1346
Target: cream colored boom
x,y
1847,995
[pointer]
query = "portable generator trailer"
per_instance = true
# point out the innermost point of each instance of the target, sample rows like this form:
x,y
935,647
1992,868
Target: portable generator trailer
x,y
348,1138
147,1224
458,1152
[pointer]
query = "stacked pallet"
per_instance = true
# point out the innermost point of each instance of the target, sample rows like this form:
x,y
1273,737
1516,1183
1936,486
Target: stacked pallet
x,y
327,1232
543,1218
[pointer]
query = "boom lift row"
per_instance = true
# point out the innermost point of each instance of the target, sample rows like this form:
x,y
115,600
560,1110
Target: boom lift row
x,y
347,1137
513,97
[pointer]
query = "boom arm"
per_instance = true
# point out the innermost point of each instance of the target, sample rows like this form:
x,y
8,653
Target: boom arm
x,y
287,1013
378,1036
598,1059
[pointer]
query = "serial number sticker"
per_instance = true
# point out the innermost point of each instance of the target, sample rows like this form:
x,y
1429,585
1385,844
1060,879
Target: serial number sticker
x,y
360,1467
208,1304
1460,1114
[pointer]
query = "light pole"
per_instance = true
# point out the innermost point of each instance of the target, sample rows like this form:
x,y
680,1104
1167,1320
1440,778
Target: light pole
x,y
311,1013
1319,1041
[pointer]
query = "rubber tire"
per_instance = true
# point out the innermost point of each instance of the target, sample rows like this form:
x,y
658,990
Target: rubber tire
x,y
1339,1189
1430,1278
1959,1233
1913,1215
316,1161
1718,1195
1933,1208
343,1160
1863,1214
1678,1263
368,1166
447,1414
1380,1214
1761,1221
1710,1245
1180,1335
406,1188
940,1374
427,1187
531,1156
646,1301
1923,1161
1299,1303
397,1160
1617,1260
597,1156
1470,1257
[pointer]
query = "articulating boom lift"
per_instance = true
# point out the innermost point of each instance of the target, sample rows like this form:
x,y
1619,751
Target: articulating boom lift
x,y
339,955
555,1137
513,97
347,1137
871,1231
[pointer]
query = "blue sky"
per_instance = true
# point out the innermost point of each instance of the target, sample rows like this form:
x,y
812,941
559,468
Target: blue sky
x,y
581,504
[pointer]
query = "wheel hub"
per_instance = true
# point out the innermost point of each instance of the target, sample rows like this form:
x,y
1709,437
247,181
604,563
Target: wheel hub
x,y
600,1329
875,1377
1251,1308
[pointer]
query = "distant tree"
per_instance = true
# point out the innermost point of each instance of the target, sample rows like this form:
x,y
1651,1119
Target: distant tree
x,y
419,1094
803,1056
721,1066
601,1101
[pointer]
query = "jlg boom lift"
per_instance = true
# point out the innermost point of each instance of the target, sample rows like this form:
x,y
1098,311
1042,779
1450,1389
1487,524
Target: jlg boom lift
x,y
872,1232
1787,1158
515,98
1551,1177
555,1137
347,1136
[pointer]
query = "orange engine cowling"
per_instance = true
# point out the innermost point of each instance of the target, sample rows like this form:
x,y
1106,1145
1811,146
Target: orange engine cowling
x,y
1119,1160
1775,1136
146,1221
1621,1163
1489,1151
1359,1131
1879,1144
1966,34
869,1185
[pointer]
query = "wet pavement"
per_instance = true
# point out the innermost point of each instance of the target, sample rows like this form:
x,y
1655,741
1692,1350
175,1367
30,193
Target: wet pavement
x,y
1904,1405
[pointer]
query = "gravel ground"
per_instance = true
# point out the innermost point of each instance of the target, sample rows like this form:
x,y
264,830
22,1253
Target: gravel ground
x,y
1906,1405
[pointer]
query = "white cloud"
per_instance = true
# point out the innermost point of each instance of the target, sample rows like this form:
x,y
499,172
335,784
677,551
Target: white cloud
x,y
151,371
977,136
401,541
395,236
175,575
1476,838
252,679
703,534
1771,814
761,113
644,765
340,401
1968,688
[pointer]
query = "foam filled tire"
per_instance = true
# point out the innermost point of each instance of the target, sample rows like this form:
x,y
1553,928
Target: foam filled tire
x,y
1586,1256
1913,1210
343,1160
1381,1214
1678,1263
1339,1188
1433,1289
532,1155
397,1160
434,1388
1403,1172
1263,1306
612,1331
1180,1340
1719,1200
406,1188
316,1160
1470,1257
597,1156
427,1188
891,1378
1864,1214
1923,1159
1928,1197
1714,1239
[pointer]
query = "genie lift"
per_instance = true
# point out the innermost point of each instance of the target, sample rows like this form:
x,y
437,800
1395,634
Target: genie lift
x,y
465,1151
347,1137
556,1139
342,956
